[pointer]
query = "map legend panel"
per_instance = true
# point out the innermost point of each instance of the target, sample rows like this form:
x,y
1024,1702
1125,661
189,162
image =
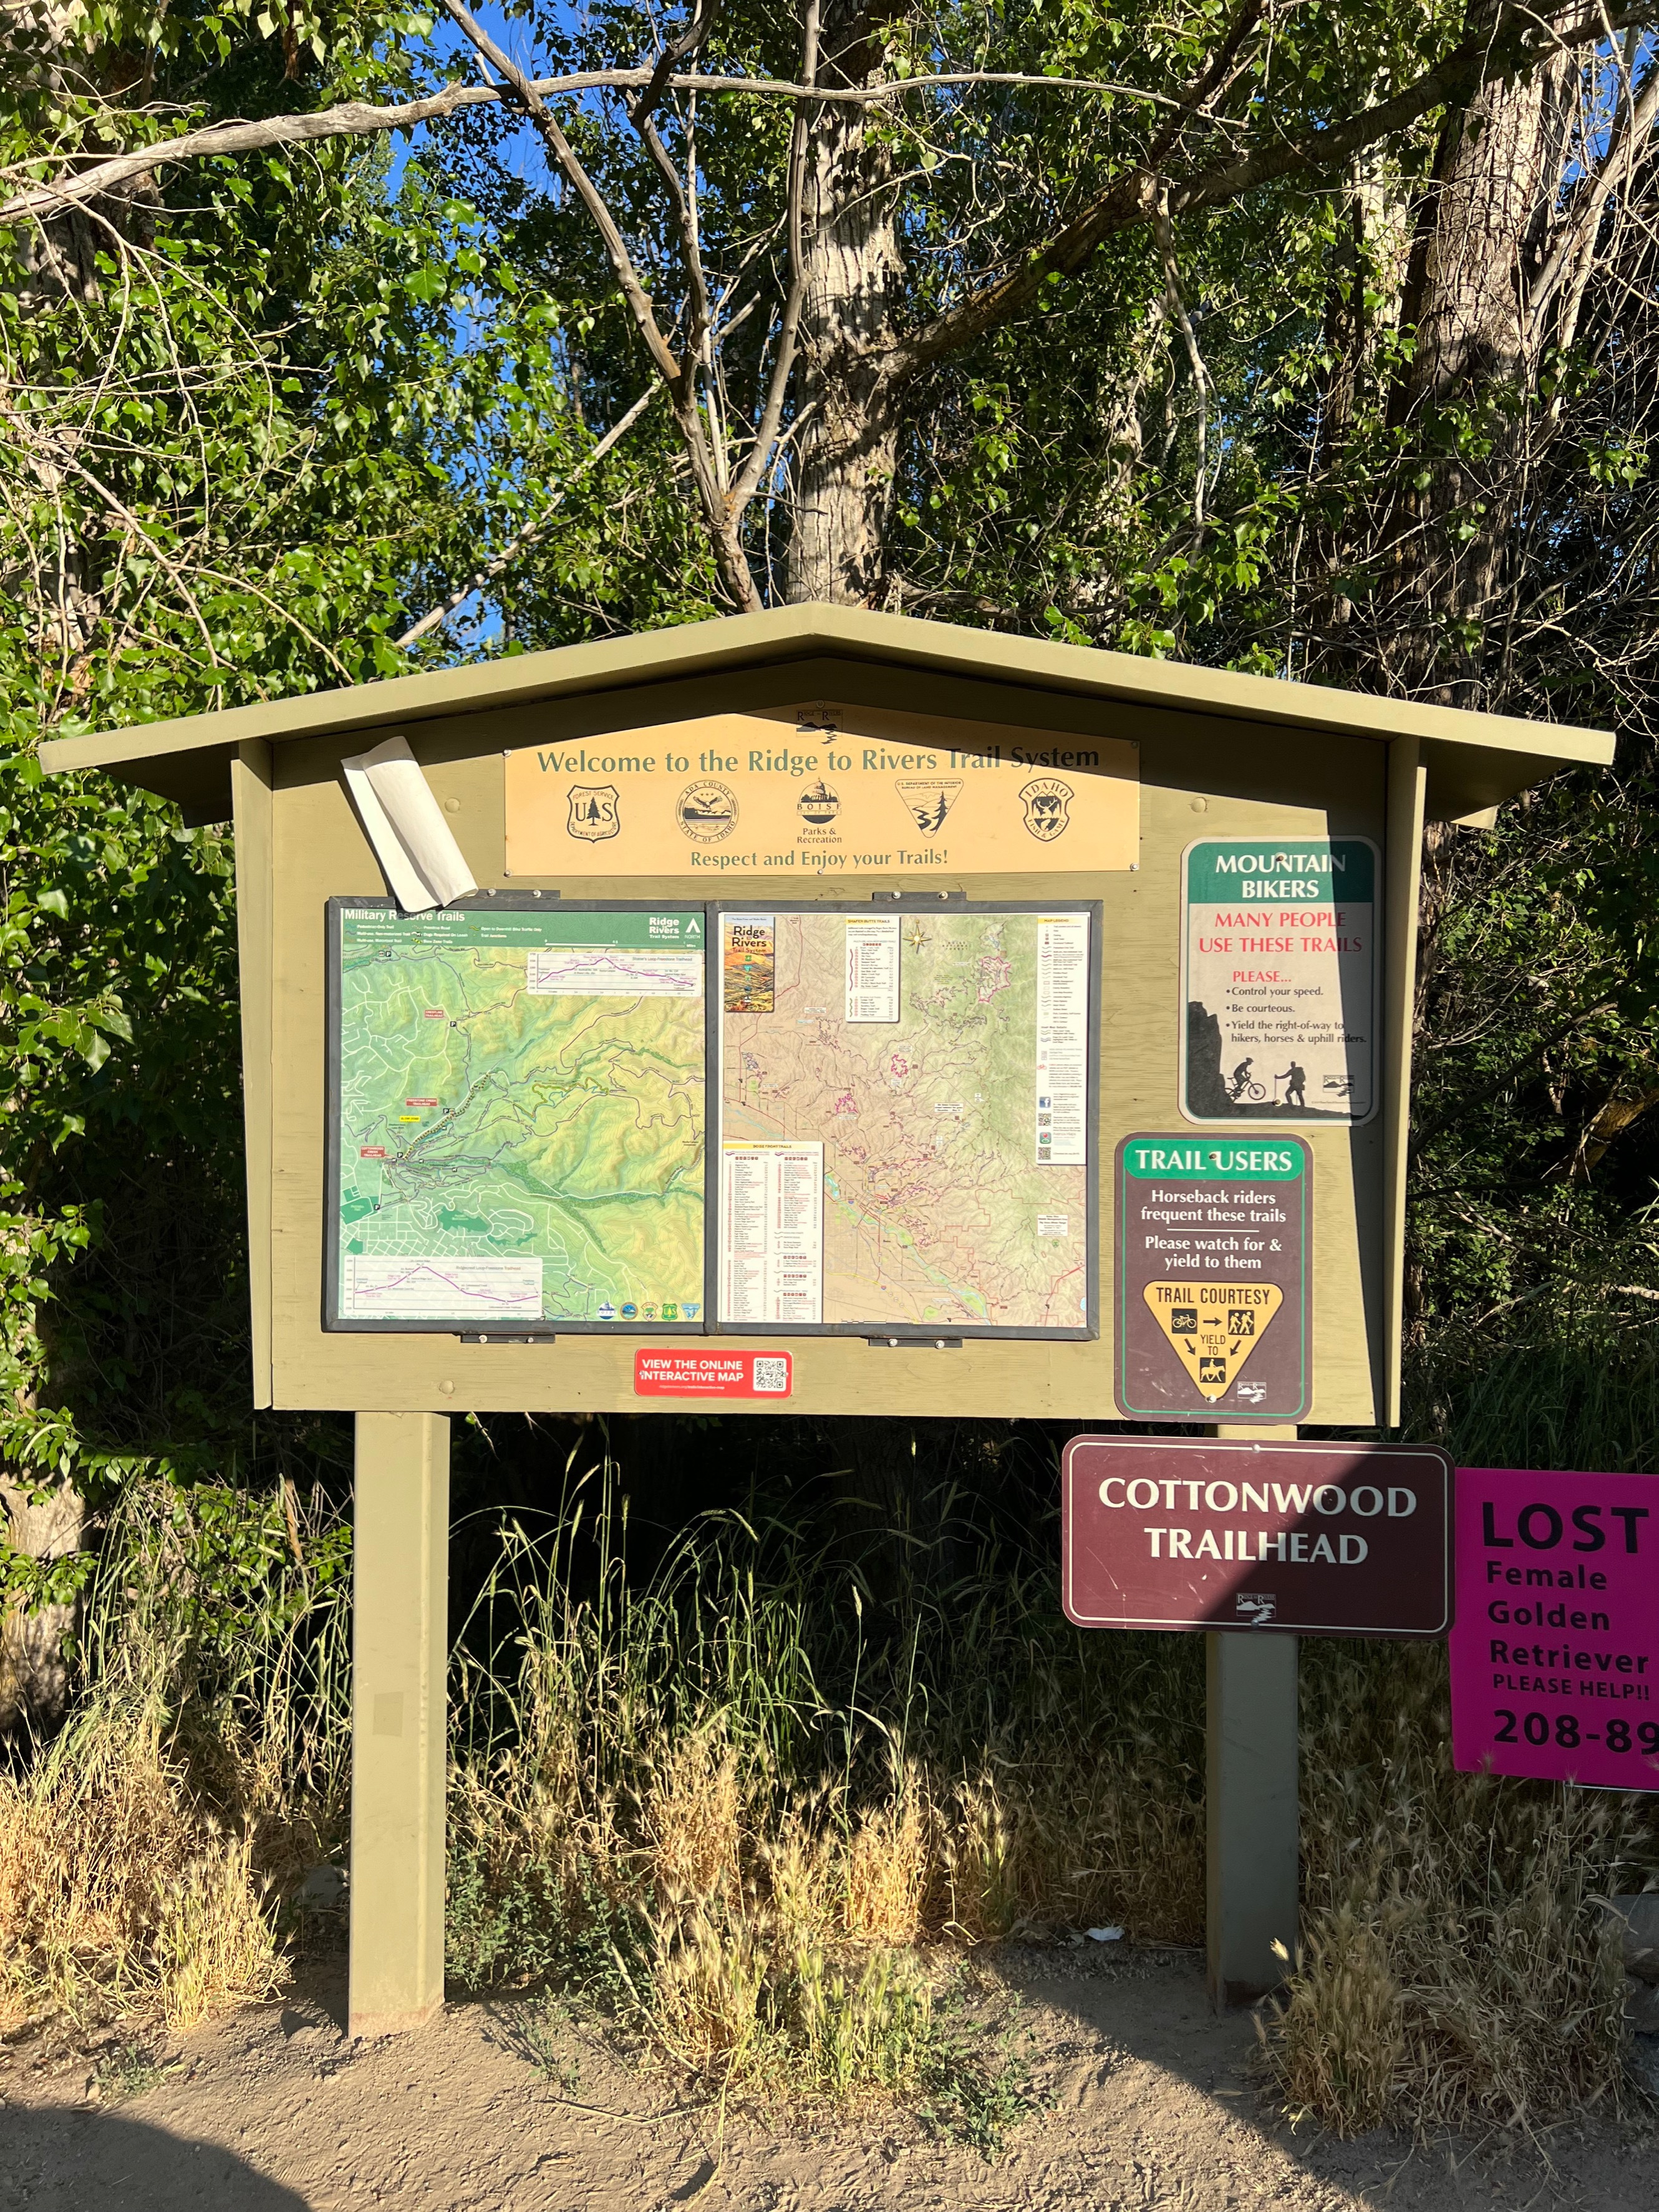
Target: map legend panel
x,y
516,1117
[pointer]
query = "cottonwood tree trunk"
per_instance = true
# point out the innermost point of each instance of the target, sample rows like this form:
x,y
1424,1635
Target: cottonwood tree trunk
x,y
1480,240
848,449
33,1674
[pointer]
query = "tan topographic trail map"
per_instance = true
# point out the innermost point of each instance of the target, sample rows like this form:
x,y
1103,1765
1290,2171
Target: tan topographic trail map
x,y
948,1198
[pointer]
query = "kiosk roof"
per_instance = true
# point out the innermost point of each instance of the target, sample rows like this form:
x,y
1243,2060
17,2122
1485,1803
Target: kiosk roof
x,y
1474,760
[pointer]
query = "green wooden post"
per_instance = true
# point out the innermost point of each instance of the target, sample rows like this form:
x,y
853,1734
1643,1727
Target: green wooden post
x,y
1251,1812
399,1651
1252,1869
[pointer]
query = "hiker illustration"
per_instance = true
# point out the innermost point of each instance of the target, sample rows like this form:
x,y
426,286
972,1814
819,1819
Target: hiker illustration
x,y
1295,1080
1242,1087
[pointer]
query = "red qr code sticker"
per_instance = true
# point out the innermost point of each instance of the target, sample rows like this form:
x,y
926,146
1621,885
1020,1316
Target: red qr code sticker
x,y
672,1373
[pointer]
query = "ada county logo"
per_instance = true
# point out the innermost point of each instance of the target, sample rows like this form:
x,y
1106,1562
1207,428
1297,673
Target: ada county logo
x,y
595,811
707,812
1048,804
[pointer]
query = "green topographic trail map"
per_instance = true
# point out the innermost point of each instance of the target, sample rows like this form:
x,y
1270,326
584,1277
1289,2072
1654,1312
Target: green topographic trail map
x,y
521,1130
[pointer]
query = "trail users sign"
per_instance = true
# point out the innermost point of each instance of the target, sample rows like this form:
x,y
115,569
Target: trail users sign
x,y
1213,1298
1322,1540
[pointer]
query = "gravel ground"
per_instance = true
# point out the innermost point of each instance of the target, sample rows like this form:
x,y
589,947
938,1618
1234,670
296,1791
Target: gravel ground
x,y
1149,2101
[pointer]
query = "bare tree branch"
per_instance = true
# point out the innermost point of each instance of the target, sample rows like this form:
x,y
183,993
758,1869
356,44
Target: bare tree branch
x,y
354,118
1212,81
679,376
676,49
783,364
1176,308
522,540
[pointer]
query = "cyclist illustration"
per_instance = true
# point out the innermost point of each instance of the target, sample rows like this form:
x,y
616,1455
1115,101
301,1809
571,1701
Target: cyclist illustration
x,y
1295,1080
1242,1087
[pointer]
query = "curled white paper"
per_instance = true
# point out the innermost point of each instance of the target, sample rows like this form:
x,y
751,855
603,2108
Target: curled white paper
x,y
416,847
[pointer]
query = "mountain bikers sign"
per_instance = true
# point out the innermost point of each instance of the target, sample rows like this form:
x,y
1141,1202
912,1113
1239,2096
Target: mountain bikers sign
x,y
1212,1244
1279,965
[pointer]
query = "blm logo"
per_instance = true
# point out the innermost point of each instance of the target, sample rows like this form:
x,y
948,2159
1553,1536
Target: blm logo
x,y
929,800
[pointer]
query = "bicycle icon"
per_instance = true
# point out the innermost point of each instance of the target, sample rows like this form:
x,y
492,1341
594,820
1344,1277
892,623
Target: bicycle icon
x,y
1245,1088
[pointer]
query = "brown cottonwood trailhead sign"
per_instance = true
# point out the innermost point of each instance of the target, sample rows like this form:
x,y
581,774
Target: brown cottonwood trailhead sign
x,y
1212,1263
1312,1539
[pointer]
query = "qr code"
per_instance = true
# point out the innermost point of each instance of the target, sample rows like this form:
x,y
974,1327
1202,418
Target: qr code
x,y
772,1375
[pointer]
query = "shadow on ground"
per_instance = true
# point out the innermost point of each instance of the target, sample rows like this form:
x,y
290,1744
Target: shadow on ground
x,y
1163,2091
72,2158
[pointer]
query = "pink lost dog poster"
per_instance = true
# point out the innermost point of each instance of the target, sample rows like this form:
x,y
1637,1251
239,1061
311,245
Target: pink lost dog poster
x,y
1555,1653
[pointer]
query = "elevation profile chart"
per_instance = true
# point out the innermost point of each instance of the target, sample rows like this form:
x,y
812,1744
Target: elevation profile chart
x,y
516,1117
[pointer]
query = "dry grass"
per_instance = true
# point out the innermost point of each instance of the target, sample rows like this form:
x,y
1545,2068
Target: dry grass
x,y
755,1821
1456,1967
141,1852
117,1894
654,1792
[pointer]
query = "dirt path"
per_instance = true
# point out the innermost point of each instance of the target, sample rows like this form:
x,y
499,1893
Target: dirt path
x,y
1151,2109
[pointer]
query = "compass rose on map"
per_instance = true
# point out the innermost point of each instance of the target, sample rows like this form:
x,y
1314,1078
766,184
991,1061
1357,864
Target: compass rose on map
x,y
917,937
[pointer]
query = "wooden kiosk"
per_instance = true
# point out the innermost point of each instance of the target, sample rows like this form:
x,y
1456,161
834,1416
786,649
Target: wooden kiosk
x,y
1074,840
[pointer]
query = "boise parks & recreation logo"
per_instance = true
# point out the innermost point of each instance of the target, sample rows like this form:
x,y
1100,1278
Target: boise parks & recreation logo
x,y
707,812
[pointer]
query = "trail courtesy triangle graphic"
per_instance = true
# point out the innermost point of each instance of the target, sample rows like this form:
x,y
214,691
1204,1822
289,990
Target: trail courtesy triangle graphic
x,y
1213,1328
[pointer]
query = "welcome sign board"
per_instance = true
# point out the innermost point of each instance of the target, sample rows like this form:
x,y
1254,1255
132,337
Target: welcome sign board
x,y
810,793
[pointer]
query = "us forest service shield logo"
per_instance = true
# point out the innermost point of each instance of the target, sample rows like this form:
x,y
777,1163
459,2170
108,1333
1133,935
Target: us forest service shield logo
x,y
1048,804
595,811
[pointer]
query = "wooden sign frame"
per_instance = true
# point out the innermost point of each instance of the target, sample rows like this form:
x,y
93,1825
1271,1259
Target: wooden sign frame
x,y
1219,754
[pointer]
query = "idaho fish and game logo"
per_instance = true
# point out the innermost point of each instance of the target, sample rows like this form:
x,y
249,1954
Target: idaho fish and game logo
x,y
707,812
595,811
929,800
1048,804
